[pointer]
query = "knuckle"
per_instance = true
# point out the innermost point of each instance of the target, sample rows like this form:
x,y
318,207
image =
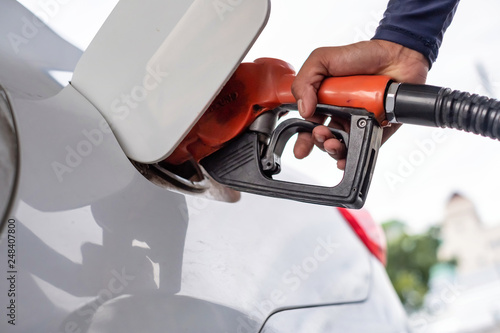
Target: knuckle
x,y
317,52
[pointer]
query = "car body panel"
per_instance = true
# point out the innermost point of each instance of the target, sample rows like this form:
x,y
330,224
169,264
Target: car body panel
x,y
101,232
381,312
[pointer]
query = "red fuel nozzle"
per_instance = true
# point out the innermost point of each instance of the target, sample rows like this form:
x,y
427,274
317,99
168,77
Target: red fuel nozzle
x,y
264,85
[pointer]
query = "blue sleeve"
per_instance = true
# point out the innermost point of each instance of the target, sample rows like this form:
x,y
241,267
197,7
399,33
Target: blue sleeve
x,y
417,24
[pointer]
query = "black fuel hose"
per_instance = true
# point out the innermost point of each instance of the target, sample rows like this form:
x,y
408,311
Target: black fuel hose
x,y
442,107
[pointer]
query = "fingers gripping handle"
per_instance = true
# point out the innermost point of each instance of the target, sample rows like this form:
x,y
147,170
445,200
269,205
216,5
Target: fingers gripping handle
x,y
271,162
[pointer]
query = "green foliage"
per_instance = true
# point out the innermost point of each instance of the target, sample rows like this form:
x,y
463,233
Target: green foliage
x,y
409,260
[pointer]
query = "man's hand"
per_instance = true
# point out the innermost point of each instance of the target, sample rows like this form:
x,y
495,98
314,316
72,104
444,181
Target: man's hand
x,y
369,57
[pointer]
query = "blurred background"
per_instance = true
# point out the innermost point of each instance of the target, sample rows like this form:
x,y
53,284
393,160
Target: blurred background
x,y
433,190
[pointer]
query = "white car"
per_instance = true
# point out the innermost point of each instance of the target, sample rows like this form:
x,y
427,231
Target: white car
x,y
89,244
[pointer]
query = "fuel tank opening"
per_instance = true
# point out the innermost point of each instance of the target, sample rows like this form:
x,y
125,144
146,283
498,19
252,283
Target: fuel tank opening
x,y
186,178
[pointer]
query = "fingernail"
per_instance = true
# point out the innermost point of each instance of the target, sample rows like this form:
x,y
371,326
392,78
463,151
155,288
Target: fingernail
x,y
331,151
300,106
320,138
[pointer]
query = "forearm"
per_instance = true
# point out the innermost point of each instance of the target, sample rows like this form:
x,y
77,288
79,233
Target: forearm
x,y
417,24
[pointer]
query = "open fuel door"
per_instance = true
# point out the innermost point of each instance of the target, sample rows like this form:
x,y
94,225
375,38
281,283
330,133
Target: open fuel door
x,y
155,66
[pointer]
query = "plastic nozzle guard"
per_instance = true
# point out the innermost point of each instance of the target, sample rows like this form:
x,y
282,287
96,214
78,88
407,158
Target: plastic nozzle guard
x,y
262,86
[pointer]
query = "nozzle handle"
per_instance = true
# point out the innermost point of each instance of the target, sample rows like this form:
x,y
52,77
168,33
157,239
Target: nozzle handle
x,y
238,165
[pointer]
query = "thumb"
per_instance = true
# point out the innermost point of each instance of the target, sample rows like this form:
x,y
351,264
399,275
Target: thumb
x,y
306,84
307,101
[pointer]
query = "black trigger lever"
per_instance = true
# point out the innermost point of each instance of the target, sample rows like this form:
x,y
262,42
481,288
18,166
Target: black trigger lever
x,y
271,160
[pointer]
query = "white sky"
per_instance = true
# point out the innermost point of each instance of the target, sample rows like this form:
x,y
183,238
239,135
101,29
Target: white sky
x,y
463,162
